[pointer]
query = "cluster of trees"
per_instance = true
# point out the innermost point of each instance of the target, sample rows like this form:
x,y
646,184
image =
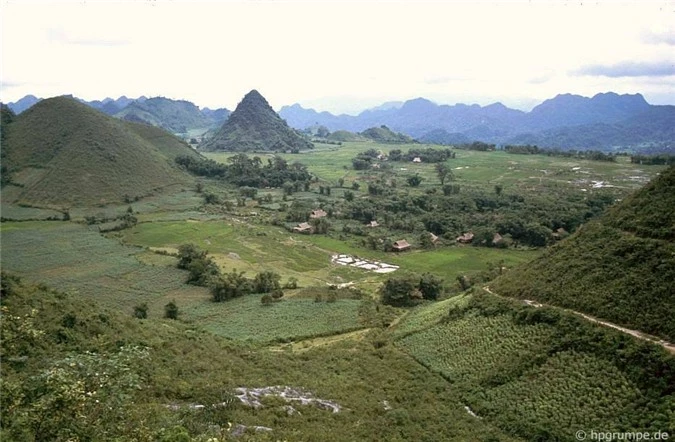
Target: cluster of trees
x,y
477,145
409,289
663,159
532,220
203,271
427,155
365,160
243,170
528,149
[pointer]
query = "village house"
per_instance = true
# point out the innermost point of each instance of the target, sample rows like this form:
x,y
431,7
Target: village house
x,y
318,213
466,238
373,224
417,160
303,228
400,245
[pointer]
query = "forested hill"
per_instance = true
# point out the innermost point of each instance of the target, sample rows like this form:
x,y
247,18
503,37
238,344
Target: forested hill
x,y
63,153
620,268
255,126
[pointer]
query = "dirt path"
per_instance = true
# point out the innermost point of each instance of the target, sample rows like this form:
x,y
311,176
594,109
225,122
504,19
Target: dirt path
x,y
635,333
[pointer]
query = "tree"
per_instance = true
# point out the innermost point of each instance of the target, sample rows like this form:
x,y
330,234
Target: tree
x,y
414,180
430,286
141,311
266,299
399,290
355,186
349,196
292,283
498,189
341,182
425,240
443,172
321,225
266,282
171,310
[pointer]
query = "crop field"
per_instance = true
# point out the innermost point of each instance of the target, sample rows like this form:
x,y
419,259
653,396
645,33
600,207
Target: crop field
x,y
471,350
576,389
427,315
330,163
247,319
76,258
447,262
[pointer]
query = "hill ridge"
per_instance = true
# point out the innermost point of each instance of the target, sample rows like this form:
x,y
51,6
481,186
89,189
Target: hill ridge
x,y
254,125
619,267
62,152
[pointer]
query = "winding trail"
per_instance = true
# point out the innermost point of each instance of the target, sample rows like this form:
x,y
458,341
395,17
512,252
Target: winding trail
x,y
635,333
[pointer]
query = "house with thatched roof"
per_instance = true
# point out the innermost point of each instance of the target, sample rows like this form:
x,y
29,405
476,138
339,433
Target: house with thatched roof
x,y
497,239
400,245
318,213
303,228
466,238
373,224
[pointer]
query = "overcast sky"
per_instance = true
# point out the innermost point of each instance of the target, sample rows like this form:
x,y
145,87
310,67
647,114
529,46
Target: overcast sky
x,y
339,56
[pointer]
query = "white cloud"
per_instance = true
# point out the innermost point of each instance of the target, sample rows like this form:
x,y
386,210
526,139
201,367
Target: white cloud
x,y
348,54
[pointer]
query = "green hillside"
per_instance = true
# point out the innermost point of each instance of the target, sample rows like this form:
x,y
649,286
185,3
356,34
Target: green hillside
x,y
254,126
177,116
385,135
63,153
344,135
620,268
542,373
73,370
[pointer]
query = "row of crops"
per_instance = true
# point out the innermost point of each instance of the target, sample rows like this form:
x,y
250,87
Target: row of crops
x,y
540,373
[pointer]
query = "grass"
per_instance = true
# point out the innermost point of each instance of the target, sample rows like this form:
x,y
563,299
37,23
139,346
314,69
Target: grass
x,y
330,163
76,258
246,319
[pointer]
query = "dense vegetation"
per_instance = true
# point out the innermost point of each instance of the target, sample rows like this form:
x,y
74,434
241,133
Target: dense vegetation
x,y
527,149
74,371
542,373
246,171
620,267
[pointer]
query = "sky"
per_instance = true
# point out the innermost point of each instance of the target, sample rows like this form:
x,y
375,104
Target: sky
x,y
337,56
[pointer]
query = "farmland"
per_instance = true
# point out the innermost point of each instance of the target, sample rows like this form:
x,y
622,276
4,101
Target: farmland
x,y
399,373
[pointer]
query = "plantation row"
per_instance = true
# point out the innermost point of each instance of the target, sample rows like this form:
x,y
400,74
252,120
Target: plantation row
x,y
473,350
542,374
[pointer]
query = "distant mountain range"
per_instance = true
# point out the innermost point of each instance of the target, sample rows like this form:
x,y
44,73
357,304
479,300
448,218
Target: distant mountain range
x,y
607,121
176,116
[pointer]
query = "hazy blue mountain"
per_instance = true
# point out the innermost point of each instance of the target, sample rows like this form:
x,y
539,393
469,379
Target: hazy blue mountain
x,y
574,110
606,121
652,131
177,116
218,116
24,103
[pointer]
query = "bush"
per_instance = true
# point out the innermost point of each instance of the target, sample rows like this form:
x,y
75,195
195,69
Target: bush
x,y
171,310
141,311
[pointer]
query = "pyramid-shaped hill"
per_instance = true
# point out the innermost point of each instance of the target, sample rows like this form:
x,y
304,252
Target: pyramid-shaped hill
x,y
64,153
620,268
254,126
